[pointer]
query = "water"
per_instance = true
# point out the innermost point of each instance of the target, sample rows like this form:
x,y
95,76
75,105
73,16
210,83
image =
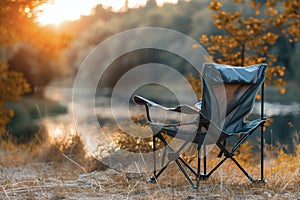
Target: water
x,y
278,109
284,129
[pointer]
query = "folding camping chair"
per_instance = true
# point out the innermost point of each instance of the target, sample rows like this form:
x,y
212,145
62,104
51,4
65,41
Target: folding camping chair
x,y
228,96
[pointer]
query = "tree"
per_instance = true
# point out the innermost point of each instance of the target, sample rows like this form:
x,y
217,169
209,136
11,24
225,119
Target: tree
x,y
249,32
13,85
17,25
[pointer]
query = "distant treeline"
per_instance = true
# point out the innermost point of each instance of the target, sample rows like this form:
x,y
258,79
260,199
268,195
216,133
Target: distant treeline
x,y
192,18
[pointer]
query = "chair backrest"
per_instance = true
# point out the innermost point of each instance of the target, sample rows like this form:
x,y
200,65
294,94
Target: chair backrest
x,y
229,93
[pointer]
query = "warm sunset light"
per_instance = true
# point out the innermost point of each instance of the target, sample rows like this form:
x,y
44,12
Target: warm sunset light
x,y
58,11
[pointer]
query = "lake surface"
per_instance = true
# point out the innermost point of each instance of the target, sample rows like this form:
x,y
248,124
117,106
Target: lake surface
x,y
284,129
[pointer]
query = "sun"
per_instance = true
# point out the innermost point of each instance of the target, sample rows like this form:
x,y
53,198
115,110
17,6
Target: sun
x,y
58,11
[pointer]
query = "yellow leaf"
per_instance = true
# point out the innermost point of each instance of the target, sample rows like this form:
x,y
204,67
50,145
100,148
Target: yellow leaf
x,y
257,12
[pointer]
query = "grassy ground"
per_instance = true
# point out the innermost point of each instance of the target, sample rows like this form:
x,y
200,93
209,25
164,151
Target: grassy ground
x,y
62,170
50,180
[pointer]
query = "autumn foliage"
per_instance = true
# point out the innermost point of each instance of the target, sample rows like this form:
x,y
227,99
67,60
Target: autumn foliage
x,y
247,37
18,26
13,86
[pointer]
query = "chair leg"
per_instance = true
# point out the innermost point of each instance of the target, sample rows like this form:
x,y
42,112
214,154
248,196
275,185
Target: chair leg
x,y
173,156
262,179
204,159
156,174
217,166
237,163
198,166
243,170
186,174
230,155
188,166
154,155
246,173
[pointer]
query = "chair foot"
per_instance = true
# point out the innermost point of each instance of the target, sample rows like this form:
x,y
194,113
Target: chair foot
x,y
259,181
151,180
203,177
195,187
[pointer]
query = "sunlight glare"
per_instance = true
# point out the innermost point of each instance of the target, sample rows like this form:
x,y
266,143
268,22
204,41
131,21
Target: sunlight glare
x,y
57,132
58,11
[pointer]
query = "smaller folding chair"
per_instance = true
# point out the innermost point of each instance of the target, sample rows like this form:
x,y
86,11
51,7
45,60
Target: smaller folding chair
x,y
228,96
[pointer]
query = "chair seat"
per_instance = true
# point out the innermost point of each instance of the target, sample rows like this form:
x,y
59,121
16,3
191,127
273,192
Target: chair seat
x,y
238,127
214,135
244,128
191,135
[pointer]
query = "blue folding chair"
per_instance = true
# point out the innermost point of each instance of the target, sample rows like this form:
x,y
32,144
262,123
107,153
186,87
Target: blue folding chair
x,y
228,96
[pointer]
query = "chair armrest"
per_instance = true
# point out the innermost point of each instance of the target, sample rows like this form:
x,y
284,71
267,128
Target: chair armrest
x,y
180,108
184,109
143,101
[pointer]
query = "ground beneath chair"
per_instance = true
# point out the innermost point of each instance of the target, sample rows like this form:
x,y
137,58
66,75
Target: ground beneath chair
x,y
66,181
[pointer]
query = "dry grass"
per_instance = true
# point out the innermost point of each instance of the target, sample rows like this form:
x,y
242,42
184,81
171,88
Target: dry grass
x,y
62,170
